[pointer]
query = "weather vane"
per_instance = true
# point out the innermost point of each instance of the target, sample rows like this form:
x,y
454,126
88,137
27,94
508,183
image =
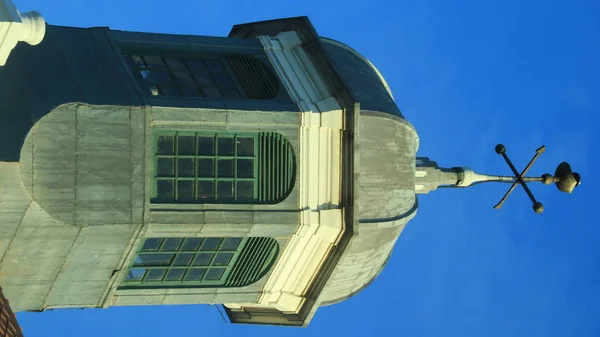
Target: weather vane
x,y
429,176
565,179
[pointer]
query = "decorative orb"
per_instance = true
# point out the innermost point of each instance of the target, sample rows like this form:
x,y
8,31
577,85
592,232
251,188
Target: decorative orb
x,y
538,207
500,149
577,178
547,179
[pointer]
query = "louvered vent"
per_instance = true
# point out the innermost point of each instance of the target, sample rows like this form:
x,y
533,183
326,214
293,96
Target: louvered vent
x,y
277,167
255,260
256,79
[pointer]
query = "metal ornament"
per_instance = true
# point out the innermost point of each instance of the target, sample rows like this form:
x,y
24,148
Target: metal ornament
x,y
565,179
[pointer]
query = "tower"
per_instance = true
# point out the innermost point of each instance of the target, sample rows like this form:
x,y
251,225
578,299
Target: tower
x,y
270,171
161,169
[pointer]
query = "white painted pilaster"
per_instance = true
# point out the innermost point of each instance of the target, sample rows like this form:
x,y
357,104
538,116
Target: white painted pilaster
x,y
321,219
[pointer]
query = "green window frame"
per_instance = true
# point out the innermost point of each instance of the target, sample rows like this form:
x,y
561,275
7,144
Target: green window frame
x,y
221,167
201,262
210,75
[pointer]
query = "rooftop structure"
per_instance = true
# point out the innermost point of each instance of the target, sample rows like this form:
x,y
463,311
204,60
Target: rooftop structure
x,y
270,171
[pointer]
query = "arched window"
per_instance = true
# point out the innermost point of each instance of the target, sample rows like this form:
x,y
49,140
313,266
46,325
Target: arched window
x,y
201,262
215,76
222,167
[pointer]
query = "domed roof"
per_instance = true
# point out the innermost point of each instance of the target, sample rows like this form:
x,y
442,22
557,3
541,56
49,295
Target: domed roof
x,y
362,78
385,201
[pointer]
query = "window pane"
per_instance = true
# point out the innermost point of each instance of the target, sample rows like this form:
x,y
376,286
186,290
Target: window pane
x,y
211,244
159,77
245,168
206,146
135,275
225,168
222,259
130,63
185,167
230,92
230,244
195,274
212,92
206,190
165,145
190,91
183,259
185,145
223,79
164,189
178,70
175,275
245,190
214,64
214,274
206,168
203,259
165,167
137,59
183,77
155,275
171,244
225,190
225,147
154,61
185,190
168,90
203,78
191,244
153,89
152,244
245,147
195,64
222,166
148,260
174,62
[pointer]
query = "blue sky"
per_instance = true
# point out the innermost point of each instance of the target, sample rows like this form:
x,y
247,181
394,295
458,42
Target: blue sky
x,y
467,74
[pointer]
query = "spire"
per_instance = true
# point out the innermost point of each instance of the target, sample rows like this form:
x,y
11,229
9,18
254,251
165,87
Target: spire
x,y
429,176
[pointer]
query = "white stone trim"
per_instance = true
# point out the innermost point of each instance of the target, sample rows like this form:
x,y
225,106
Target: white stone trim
x,y
29,27
320,135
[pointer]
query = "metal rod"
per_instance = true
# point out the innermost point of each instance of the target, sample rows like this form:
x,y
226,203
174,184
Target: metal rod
x,y
523,183
512,180
538,152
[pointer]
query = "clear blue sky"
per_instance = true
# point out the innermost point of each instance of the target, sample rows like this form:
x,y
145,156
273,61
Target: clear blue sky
x,y
467,74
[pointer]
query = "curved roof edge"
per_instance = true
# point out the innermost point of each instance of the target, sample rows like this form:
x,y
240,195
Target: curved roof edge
x,y
380,223
364,286
360,56
354,262
398,119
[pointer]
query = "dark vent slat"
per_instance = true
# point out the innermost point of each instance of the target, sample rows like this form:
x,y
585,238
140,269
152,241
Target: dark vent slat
x,y
276,167
242,261
239,272
253,260
250,266
281,174
257,75
253,79
263,159
272,160
261,254
257,80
